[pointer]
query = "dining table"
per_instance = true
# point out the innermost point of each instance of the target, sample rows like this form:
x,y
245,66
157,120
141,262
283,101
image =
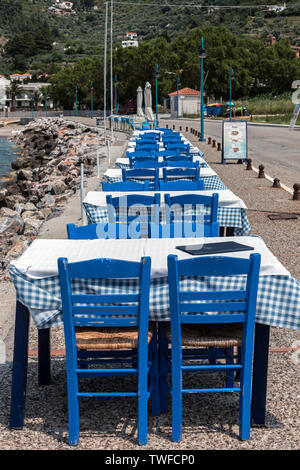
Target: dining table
x,y
232,211
211,180
124,162
35,277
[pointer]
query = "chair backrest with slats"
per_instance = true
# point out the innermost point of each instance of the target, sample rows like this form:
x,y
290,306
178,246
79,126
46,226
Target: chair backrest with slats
x,y
183,229
103,230
182,164
182,172
104,310
151,174
213,306
129,207
193,207
125,186
151,163
181,185
139,153
177,158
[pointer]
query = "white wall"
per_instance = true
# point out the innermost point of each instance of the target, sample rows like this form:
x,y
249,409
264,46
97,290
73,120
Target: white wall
x,y
187,105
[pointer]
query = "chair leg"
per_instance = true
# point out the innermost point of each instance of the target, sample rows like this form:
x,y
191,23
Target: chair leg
x,y
245,407
73,406
142,405
176,400
229,374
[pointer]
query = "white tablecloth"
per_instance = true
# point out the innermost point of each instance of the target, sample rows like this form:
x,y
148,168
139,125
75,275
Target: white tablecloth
x,y
226,197
117,173
40,259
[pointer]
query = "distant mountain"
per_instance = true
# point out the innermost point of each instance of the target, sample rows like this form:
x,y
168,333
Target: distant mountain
x,y
72,30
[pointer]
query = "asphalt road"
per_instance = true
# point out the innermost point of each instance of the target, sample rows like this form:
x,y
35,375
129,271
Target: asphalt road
x,y
277,148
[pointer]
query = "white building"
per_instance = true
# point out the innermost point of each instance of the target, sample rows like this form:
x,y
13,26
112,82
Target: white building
x,y
131,40
188,103
24,99
20,77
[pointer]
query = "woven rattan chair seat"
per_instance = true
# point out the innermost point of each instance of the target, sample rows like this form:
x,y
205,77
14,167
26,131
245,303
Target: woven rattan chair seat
x,y
101,339
205,336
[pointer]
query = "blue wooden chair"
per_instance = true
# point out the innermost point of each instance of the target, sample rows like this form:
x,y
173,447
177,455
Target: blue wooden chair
x,y
151,163
111,326
181,185
181,164
213,319
178,173
125,186
104,230
147,147
194,208
151,174
181,229
166,153
140,208
175,157
139,153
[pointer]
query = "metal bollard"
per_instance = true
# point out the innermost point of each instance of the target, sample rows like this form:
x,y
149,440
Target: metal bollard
x,y
209,140
249,164
173,127
167,127
296,195
191,130
261,173
219,147
276,183
186,129
180,128
214,143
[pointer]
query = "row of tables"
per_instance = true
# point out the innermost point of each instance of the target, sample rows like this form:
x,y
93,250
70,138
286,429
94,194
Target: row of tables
x,y
35,277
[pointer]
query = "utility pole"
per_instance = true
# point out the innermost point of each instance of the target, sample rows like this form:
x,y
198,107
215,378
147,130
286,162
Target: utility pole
x,y
104,78
111,66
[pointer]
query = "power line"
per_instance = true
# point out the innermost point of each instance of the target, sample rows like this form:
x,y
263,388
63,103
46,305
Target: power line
x,y
194,5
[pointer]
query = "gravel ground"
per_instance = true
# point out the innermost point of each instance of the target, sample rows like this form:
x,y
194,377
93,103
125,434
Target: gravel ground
x,y
209,422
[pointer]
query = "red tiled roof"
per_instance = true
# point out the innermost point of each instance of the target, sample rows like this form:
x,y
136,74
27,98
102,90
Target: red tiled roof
x,y
186,92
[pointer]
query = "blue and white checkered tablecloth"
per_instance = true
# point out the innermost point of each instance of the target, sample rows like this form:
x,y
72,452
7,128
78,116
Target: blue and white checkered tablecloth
x,y
227,217
125,164
278,302
209,182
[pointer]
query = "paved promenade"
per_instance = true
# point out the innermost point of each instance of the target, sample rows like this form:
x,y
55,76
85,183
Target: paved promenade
x,y
210,423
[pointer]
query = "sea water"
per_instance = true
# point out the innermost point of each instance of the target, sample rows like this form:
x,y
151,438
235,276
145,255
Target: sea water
x,y
8,153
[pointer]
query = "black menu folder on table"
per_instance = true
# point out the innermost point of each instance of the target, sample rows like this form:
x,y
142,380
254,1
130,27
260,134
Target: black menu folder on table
x,y
214,248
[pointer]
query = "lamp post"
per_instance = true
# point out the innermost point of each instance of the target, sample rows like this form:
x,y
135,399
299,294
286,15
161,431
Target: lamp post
x,y
202,55
76,107
231,77
92,110
156,76
178,84
116,103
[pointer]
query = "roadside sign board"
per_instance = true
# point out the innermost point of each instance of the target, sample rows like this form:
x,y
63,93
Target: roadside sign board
x,y
234,141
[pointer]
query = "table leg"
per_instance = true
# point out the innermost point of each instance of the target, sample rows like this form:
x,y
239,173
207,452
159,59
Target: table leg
x,y
163,368
20,362
260,373
44,356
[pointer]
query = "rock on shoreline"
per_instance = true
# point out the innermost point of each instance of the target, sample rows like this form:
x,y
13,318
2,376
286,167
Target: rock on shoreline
x,y
43,177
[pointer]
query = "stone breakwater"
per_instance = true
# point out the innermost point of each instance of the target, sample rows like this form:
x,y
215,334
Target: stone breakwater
x,y
43,177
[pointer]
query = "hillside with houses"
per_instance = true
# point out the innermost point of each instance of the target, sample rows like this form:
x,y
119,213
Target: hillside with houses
x,y
42,37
